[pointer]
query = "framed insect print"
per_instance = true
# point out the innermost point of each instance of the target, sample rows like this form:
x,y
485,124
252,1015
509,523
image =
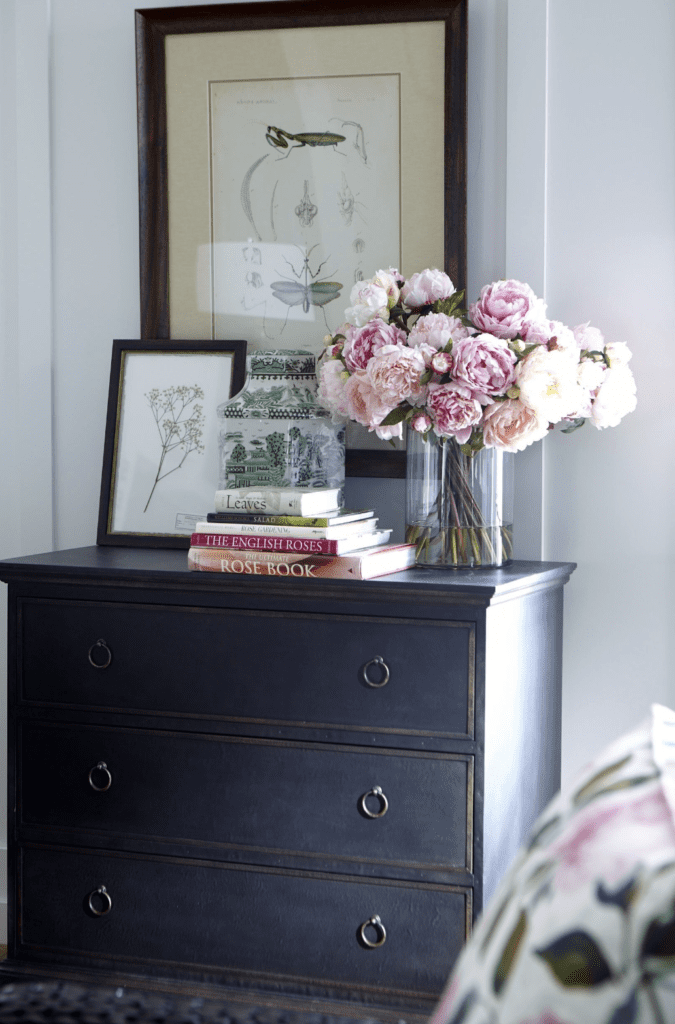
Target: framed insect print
x,y
288,150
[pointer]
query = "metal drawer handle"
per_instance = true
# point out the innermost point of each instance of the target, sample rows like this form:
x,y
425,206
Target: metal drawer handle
x,y
376,923
384,803
100,664
100,767
107,902
385,670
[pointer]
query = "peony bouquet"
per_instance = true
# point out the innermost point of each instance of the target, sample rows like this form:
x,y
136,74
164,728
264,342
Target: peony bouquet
x,y
498,375
471,385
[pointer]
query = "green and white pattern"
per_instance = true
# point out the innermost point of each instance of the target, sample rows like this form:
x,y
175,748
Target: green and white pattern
x,y
273,433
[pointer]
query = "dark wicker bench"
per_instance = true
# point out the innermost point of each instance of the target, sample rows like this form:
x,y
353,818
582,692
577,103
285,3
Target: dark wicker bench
x,y
59,1002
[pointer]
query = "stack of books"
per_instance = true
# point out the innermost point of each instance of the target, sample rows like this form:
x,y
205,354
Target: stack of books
x,y
293,533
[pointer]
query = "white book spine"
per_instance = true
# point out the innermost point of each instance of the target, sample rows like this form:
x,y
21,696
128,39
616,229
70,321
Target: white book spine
x,y
259,529
285,503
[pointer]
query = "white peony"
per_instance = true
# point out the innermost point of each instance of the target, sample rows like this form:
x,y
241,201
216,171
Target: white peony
x,y
548,383
616,397
368,301
618,353
590,375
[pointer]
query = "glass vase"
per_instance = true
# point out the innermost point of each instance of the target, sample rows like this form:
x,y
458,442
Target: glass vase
x,y
459,508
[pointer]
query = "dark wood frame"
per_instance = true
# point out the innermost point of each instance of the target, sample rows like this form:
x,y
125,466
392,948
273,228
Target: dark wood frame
x,y
150,540
152,27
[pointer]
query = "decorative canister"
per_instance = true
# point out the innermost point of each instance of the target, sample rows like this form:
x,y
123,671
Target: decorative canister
x,y
459,508
273,433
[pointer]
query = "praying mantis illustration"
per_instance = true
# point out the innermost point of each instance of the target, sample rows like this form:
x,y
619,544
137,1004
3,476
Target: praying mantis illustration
x,y
306,290
280,138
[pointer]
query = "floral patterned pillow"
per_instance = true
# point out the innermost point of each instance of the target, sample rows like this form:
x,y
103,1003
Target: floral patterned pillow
x,y
581,929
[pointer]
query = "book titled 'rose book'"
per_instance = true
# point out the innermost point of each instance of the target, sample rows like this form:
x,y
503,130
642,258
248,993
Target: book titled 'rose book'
x,y
362,565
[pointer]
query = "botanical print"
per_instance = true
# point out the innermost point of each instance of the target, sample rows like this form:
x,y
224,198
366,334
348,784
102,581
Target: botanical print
x,y
582,927
166,460
305,187
180,424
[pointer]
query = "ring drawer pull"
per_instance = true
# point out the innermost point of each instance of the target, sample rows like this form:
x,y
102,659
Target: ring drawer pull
x,y
385,672
384,803
100,767
107,902
108,652
376,923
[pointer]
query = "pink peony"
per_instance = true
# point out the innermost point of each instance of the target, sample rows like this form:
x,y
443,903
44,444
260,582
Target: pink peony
x,y
505,308
512,426
441,362
395,373
454,410
362,401
421,422
425,288
437,329
485,363
361,343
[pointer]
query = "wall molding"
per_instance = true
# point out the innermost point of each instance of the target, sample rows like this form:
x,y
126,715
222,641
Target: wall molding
x,y
526,220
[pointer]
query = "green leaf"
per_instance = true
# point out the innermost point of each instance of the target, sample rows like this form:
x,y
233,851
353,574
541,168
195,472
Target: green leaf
x,y
426,376
574,425
464,1007
492,927
658,945
396,415
509,954
547,829
616,787
576,960
581,794
622,897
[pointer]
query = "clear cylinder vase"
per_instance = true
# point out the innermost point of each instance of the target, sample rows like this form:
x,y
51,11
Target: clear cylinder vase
x,y
459,508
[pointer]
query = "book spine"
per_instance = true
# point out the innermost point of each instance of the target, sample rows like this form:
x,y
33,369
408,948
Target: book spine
x,y
264,542
277,502
270,563
261,530
266,520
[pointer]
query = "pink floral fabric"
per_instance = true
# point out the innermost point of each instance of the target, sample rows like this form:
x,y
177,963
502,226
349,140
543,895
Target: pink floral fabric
x,y
581,930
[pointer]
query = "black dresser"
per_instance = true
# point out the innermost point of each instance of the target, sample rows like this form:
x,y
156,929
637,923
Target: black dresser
x,y
297,792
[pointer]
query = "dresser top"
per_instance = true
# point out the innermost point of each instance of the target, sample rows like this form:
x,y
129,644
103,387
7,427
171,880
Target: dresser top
x,y
153,567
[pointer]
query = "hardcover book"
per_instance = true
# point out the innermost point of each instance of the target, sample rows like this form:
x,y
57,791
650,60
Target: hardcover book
x,y
363,565
335,518
295,545
295,501
261,529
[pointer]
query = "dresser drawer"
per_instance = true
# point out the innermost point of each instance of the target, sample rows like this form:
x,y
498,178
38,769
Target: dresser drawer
x,y
295,797
309,670
231,919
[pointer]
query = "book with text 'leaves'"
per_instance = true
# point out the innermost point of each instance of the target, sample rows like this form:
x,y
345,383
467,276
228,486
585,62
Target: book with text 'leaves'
x,y
276,530
361,565
337,517
294,501
295,545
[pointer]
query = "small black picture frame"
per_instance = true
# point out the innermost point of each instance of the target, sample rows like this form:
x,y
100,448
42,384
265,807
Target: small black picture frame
x,y
160,457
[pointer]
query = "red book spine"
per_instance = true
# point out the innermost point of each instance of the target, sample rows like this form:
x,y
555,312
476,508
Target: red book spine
x,y
266,542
